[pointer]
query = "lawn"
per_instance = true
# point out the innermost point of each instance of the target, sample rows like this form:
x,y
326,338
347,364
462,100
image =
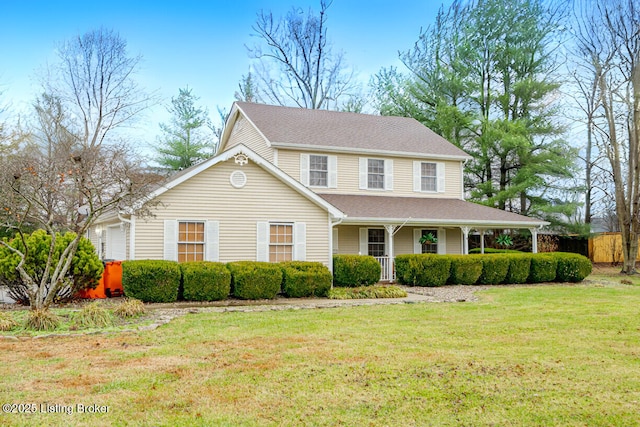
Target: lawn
x,y
532,356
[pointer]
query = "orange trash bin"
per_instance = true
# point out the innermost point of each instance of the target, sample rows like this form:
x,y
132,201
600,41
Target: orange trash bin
x,y
98,292
113,279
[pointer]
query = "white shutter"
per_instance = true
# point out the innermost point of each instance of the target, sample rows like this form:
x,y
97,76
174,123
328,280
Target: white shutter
x,y
170,240
334,237
262,241
333,171
300,241
304,169
388,174
364,173
364,241
212,241
417,176
417,246
442,241
440,171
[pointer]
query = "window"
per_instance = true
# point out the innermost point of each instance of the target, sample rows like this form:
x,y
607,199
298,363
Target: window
x,y
430,245
375,173
190,241
280,242
318,170
376,242
429,177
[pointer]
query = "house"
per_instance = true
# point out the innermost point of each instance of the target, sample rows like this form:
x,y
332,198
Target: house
x,y
297,184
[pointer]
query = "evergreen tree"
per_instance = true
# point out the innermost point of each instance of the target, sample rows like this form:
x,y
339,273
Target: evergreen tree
x,y
188,138
480,77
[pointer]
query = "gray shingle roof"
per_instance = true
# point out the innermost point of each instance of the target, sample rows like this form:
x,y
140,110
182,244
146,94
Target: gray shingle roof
x,y
425,210
332,129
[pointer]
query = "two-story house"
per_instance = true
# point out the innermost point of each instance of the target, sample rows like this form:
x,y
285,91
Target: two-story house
x,y
297,184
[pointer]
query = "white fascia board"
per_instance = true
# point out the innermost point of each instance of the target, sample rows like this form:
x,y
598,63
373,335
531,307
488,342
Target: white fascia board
x,y
368,151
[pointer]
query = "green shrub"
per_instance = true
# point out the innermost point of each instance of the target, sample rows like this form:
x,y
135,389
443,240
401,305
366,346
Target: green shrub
x,y
355,270
465,269
543,268
494,269
255,279
92,315
367,292
85,272
519,267
151,280
304,279
130,307
205,281
572,267
494,251
423,269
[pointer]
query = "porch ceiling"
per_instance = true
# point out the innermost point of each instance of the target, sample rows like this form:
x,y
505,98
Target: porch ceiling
x,y
425,211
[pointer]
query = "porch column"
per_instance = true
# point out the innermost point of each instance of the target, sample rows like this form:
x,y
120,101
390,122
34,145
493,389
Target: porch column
x,y
534,240
465,240
481,240
390,233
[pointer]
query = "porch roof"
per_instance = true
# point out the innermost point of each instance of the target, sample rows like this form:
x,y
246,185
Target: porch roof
x,y
425,211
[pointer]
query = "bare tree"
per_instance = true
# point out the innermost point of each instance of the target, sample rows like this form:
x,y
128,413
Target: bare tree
x,y
72,168
297,67
608,39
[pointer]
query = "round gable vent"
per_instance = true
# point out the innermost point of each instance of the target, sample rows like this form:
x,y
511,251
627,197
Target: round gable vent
x,y
238,179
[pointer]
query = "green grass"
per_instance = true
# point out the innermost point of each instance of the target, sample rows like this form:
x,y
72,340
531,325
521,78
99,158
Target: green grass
x,y
527,356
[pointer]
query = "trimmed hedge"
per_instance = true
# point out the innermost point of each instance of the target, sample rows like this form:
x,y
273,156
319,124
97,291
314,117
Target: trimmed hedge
x,y
572,267
255,279
543,268
205,281
151,280
423,269
465,269
305,279
494,269
355,270
519,268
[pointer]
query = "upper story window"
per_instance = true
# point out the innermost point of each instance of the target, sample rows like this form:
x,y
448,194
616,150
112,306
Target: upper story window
x,y
428,177
376,174
319,170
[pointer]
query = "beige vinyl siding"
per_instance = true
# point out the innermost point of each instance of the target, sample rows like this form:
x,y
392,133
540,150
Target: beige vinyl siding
x,y
245,133
349,243
348,175
210,196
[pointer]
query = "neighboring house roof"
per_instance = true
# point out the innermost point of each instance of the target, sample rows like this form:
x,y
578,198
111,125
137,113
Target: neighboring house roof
x,y
420,210
186,174
303,128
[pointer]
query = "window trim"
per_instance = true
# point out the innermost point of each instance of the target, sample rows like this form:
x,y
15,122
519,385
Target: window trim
x,y
291,244
332,170
387,177
417,177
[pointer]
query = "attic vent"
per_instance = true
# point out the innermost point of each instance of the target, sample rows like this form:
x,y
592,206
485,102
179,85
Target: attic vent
x,y
238,179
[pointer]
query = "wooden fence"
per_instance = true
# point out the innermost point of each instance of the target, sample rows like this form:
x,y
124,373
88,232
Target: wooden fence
x,y
606,247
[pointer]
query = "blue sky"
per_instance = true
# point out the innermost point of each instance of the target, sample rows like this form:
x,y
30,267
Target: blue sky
x,y
200,44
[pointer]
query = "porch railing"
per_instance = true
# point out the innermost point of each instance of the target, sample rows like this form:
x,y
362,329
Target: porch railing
x,y
388,271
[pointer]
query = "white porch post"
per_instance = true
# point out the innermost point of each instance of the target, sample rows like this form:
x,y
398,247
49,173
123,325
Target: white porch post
x,y
534,240
465,240
391,231
481,240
